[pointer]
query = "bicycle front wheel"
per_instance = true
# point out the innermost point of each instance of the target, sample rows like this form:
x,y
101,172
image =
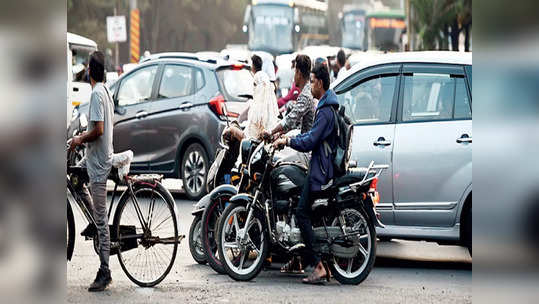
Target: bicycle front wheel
x,y
147,232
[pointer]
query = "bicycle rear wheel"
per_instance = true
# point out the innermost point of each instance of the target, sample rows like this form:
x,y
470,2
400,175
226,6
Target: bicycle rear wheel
x,y
147,233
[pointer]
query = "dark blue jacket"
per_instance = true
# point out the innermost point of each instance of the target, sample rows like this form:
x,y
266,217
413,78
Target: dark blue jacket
x,y
321,166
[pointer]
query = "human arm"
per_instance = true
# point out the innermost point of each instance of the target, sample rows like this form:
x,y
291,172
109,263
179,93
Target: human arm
x,y
321,128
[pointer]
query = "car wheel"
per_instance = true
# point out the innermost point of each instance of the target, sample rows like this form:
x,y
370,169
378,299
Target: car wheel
x,y
194,168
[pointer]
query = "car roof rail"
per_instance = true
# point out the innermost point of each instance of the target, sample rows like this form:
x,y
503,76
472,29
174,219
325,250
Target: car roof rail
x,y
180,55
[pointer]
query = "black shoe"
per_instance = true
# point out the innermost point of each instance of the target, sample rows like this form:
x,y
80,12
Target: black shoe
x,y
90,231
102,280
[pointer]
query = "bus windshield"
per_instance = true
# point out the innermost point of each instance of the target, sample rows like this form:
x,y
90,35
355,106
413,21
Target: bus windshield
x,y
271,29
353,30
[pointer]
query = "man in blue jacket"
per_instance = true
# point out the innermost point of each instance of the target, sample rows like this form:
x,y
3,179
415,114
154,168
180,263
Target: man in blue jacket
x,y
321,167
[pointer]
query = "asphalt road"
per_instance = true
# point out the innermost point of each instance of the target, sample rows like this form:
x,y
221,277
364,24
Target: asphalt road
x,y
405,272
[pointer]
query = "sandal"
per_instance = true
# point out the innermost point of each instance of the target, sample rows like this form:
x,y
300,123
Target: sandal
x,y
293,266
312,279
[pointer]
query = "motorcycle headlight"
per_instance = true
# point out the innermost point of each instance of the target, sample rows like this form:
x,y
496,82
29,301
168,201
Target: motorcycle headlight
x,y
256,157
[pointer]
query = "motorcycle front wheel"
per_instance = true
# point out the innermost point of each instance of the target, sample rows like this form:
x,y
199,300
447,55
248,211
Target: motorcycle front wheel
x,y
242,259
355,270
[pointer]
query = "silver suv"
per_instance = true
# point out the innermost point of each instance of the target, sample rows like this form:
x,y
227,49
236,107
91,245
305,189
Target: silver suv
x,y
413,111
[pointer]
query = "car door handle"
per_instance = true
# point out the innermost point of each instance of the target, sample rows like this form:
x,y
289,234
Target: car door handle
x,y
382,142
464,138
185,105
141,114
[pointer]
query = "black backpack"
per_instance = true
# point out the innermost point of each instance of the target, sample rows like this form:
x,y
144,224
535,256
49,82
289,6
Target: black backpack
x,y
343,132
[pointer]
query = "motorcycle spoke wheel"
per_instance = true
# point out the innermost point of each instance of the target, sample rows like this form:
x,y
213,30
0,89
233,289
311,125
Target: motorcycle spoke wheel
x,y
242,257
353,267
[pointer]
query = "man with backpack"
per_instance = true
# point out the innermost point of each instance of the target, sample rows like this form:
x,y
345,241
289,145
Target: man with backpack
x,y
323,143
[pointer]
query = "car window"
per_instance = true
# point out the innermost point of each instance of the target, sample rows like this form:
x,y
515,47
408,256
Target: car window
x,y
199,79
237,82
371,101
137,87
462,102
177,81
428,97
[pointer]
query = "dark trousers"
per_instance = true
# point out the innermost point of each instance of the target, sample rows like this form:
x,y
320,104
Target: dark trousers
x,y
303,216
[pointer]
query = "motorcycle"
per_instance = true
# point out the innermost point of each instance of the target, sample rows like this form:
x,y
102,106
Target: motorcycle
x,y
344,218
221,172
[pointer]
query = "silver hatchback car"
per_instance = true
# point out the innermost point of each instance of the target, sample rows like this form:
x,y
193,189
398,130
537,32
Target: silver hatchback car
x,y
413,111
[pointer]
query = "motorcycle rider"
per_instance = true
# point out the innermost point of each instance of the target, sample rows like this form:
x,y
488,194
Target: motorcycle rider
x,y
262,112
320,172
301,113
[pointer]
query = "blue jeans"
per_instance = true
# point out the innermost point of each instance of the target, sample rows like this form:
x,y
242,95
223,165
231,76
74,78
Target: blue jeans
x,y
303,216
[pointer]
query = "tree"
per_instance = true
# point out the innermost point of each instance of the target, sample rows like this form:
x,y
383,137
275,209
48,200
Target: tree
x,y
438,21
165,25
431,20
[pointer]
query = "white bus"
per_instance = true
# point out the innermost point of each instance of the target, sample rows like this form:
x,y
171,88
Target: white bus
x,y
283,26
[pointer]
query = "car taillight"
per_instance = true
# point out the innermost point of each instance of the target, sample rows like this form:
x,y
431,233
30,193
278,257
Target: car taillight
x,y
237,66
217,106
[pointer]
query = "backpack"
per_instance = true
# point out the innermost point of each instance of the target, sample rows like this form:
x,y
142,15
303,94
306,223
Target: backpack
x,y
343,132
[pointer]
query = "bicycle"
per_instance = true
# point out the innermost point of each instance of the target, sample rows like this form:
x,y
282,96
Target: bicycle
x,y
144,233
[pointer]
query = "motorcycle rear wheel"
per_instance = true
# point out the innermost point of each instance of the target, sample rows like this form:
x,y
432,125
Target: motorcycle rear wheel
x,y
343,269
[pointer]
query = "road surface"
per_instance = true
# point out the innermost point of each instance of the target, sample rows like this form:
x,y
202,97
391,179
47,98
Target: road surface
x,y
405,272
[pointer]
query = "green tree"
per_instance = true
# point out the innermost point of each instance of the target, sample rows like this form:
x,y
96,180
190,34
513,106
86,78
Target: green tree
x,y
431,18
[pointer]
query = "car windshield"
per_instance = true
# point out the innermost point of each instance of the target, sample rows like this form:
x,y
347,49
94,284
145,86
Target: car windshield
x,y
353,31
271,29
237,83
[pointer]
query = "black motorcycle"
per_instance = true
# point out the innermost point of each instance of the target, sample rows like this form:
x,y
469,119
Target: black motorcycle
x,y
344,219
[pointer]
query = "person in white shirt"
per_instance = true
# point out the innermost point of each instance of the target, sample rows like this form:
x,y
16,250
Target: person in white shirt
x,y
341,62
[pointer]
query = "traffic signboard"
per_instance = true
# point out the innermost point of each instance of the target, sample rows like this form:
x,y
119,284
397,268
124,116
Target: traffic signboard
x,y
116,29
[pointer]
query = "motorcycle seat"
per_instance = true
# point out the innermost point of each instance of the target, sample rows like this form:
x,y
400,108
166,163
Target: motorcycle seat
x,y
353,175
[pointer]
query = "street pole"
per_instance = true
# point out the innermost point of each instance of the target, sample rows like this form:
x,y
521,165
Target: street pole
x,y
116,52
134,32
409,26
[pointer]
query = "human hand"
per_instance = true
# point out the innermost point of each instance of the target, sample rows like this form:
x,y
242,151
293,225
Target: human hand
x,y
266,135
74,142
280,143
